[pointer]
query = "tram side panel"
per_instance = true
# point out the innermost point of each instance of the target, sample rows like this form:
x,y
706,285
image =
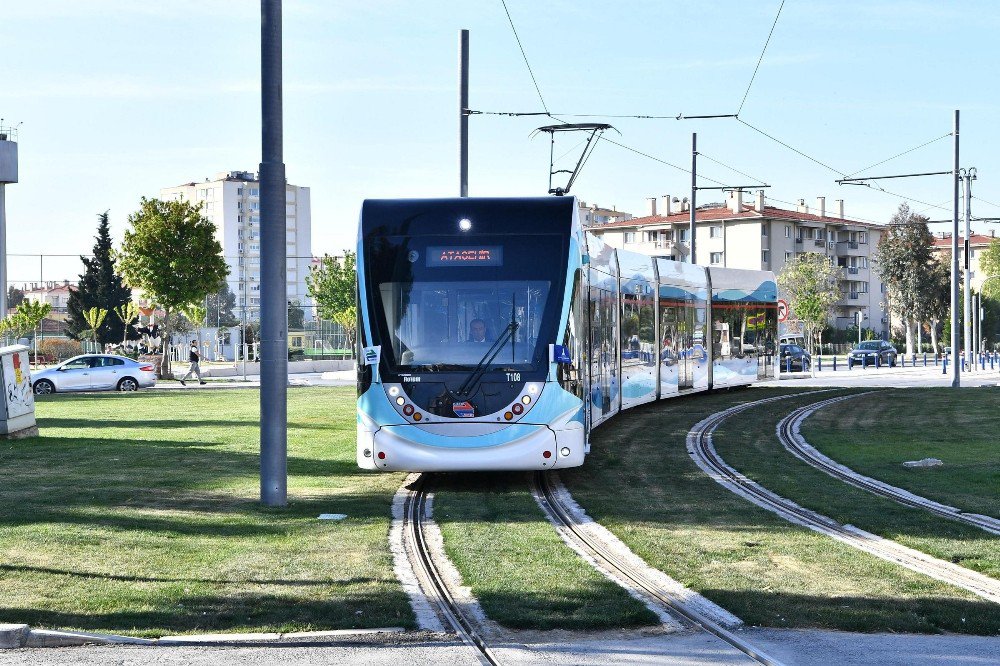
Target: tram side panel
x,y
637,331
744,326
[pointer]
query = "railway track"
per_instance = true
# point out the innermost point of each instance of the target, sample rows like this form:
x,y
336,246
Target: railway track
x,y
700,447
619,568
788,431
430,578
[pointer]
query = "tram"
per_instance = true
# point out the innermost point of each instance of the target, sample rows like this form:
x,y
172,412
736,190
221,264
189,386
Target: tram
x,y
496,334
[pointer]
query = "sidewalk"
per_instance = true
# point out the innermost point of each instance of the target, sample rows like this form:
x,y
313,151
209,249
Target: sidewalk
x,y
336,378
887,377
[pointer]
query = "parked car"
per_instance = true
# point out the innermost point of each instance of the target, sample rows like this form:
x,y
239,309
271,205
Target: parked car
x,y
795,357
95,372
870,351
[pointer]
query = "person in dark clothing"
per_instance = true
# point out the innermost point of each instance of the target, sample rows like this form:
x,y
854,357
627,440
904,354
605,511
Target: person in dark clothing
x,y
195,358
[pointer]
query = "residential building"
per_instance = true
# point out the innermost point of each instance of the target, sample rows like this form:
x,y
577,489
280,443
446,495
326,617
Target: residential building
x,y
593,215
232,201
55,294
754,235
977,244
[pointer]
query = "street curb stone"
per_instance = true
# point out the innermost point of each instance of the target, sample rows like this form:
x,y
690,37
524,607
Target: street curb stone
x,y
13,635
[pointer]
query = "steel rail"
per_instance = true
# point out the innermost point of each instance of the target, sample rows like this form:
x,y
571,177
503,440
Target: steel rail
x,y
431,579
560,515
788,431
700,447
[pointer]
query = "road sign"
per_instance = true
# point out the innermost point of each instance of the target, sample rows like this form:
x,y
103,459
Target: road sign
x,y
782,310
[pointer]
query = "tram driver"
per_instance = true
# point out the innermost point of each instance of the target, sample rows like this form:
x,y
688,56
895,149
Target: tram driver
x,y
477,332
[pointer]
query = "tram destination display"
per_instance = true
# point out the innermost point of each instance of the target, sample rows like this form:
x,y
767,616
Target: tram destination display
x,y
439,256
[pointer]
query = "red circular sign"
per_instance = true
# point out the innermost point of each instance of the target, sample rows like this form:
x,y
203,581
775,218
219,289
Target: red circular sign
x,y
782,310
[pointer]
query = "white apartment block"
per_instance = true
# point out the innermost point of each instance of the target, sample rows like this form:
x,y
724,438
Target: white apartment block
x,y
231,200
761,237
977,245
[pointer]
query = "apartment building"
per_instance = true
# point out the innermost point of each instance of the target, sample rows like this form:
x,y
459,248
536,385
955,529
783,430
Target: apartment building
x,y
231,200
754,235
55,294
977,245
593,215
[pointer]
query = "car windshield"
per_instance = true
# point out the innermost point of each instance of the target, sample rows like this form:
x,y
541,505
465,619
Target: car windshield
x,y
871,345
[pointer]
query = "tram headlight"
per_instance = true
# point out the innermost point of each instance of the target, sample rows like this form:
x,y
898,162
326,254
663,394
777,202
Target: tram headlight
x,y
465,224
532,389
516,408
394,391
400,400
564,451
526,399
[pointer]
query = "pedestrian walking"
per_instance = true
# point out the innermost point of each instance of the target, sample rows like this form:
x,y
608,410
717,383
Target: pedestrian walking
x,y
195,358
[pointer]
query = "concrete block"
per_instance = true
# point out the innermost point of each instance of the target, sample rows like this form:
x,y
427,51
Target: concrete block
x,y
51,638
13,635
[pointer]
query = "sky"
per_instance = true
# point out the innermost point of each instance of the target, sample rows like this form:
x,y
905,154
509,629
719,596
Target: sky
x,y
115,99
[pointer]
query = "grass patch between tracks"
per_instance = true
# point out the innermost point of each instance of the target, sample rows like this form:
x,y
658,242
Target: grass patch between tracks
x,y
640,482
875,434
139,514
520,570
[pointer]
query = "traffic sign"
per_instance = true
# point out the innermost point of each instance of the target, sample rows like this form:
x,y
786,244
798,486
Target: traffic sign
x,y
782,310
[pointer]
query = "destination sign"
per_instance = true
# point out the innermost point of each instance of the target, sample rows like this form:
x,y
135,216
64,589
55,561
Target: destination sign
x,y
467,255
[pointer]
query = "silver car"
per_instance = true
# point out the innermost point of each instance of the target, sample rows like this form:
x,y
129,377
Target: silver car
x,y
95,372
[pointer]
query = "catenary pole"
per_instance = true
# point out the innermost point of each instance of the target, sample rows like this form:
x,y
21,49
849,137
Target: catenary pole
x,y
694,189
967,288
463,114
956,380
273,303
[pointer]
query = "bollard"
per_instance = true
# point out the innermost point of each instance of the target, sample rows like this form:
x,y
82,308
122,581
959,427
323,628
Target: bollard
x,y
925,359
819,364
878,360
835,364
944,365
788,364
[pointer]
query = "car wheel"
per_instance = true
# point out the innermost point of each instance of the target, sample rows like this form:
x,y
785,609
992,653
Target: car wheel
x,y
44,387
128,384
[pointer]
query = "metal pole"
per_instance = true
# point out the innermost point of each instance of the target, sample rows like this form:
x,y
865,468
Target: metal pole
x,y
694,188
273,311
3,252
463,115
859,328
967,301
956,380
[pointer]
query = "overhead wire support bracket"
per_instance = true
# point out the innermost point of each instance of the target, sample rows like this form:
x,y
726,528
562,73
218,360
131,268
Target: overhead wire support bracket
x,y
595,129
862,180
734,188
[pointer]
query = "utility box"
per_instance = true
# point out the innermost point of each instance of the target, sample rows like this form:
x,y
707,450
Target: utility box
x,y
17,405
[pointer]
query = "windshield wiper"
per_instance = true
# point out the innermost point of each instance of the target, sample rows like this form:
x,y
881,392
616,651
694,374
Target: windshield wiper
x,y
477,374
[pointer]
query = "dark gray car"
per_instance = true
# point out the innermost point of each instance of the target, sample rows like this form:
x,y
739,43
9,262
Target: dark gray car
x,y
794,357
872,352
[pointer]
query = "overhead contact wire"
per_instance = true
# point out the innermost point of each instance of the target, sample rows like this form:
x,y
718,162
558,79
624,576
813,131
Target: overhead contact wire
x,y
761,59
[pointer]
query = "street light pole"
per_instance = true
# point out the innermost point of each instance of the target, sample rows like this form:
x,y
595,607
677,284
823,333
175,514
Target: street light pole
x,y
956,380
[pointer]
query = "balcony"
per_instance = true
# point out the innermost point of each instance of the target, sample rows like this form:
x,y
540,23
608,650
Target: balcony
x,y
819,243
852,270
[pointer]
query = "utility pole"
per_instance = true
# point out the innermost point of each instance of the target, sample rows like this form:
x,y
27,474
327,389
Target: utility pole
x,y
956,379
968,175
8,174
273,304
463,114
694,188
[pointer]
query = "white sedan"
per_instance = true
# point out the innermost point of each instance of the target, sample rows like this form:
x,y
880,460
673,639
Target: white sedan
x,y
95,372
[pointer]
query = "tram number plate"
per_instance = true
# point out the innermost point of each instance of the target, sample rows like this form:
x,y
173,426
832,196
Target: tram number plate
x,y
513,376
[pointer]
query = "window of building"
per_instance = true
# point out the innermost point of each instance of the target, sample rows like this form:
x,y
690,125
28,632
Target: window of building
x,y
629,236
254,205
684,235
765,256
239,219
763,230
862,236
788,256
255,247
715,231
788,231
239,191
254,191
652,236
715,257
862,262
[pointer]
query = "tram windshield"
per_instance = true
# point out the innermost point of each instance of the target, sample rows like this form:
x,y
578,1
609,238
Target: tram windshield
x,y
442,312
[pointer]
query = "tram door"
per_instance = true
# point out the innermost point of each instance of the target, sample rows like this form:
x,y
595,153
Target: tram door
x,y
603,354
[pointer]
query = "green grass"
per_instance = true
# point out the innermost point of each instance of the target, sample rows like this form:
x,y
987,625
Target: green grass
x,y
139,514
875,434
520,570
754,450
640,483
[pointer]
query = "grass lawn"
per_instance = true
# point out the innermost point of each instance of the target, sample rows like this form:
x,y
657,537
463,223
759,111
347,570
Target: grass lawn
x,y
875,434
139,514
754,450
640,483
520,570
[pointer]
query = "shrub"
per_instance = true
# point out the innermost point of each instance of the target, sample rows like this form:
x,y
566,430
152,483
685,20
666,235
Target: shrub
x,y
59,349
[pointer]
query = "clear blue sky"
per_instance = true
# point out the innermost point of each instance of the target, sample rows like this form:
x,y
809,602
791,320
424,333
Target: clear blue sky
x,y
119,98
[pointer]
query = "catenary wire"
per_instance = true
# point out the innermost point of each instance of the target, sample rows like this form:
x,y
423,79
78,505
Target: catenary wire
x,y
759,60
525,56
871,166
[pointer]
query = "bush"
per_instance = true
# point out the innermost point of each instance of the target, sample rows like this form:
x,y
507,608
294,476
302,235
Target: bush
x,y
296,355
59,349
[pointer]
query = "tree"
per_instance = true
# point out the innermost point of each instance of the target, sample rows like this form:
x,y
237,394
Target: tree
x,y
171,253
333,285
14,298
220,306
94,318
27,318
100,287
936,303
903,258
989,265
809,281
127,314
296,315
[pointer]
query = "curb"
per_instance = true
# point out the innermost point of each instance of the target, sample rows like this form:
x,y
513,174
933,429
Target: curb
x,y
14,636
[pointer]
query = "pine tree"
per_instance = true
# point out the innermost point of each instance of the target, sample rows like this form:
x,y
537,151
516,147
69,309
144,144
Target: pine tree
x,y
100,287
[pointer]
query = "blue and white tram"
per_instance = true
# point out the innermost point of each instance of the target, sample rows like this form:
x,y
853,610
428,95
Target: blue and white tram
x,y
495,334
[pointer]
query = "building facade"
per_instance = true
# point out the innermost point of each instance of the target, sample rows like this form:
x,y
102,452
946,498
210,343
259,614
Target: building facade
x,y
231,200
756,236
977,245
